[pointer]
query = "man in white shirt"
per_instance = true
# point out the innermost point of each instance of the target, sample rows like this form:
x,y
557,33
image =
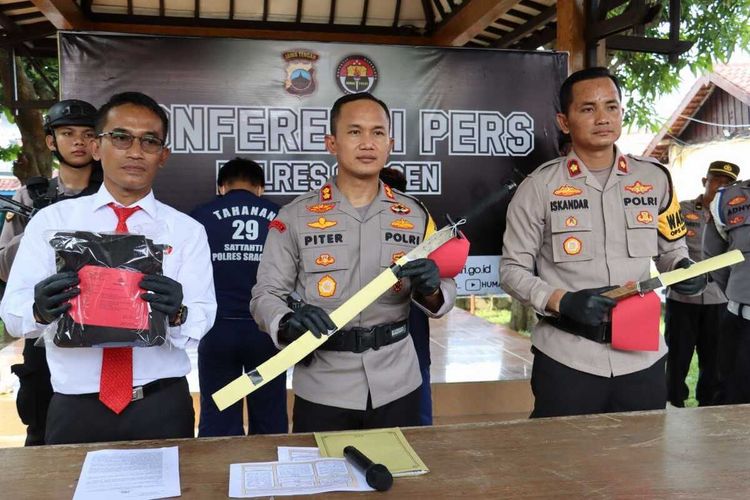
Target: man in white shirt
x,y
91,402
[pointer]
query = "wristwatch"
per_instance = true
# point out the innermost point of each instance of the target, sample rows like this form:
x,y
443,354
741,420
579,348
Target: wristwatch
x,y
180,317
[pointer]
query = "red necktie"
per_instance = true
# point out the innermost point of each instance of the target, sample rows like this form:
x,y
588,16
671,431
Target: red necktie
x,y
116,381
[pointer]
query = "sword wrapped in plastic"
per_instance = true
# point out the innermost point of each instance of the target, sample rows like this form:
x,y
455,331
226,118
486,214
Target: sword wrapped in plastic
x,y
307,343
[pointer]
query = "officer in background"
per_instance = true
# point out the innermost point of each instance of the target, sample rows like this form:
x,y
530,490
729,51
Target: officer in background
x,y
578,226
328,244
419,323
69,129
237,225
694,323
730,230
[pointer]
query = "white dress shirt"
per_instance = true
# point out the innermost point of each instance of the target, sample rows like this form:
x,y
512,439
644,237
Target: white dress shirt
x,y
77,370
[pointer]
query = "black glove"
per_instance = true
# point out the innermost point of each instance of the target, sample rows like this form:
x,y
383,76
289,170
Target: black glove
x,y
424,275
307,317
693,286
51,295
587,306
163,293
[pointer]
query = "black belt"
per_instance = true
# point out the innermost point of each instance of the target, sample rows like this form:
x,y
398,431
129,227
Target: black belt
x,y
599,333
361,339
141,391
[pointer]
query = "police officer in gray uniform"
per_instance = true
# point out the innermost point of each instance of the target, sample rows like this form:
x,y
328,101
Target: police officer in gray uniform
x,y
578,226
693,323
730,212
328,244
69,129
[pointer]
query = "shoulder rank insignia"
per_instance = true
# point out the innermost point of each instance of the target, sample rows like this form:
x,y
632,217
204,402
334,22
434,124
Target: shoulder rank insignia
x,y
398,208
325,259
322,223
9,216
692,216
277,225
572,246
639,188
402,224
622,165
326,193
388,191
567,190
320,208
737,200
573,168
326,286
644,217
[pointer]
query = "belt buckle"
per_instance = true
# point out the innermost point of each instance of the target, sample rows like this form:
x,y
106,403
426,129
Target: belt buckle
x,y
360,335
137,393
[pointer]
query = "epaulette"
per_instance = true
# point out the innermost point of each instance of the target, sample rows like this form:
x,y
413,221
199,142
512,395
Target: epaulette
x,y
552,163
649,159
303,197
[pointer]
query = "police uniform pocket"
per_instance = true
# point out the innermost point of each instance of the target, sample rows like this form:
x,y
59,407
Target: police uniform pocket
x,y
641,231
325,271
571,236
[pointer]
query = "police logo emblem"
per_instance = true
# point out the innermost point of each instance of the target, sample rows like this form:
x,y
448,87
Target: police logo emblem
x,y
572,246
320,208
571,222
327,286
300,71
322,223
737,219
737,200
397,256
644,217
398,208
567,190
325,259
398,286
638,188
402,224
356,74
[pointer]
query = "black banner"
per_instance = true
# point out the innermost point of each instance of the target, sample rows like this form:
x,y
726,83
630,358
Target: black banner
x,y
462,119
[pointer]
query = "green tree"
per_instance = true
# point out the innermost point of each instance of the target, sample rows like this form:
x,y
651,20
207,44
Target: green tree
x,y
718,28
31,86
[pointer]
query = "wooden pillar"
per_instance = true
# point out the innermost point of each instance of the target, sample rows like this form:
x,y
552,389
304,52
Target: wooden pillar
x,y
571,31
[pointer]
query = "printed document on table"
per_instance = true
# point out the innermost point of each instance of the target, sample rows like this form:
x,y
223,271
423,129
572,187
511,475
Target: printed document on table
x,y
297,453
262,479
124,474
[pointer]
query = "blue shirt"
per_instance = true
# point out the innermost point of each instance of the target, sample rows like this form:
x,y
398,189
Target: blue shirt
x,y
237,226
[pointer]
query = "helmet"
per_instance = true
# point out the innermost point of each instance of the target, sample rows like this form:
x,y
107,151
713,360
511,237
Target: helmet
x,y
69,112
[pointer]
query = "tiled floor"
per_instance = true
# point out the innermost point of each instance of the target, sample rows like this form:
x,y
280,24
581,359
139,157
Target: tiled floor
x,y
464,348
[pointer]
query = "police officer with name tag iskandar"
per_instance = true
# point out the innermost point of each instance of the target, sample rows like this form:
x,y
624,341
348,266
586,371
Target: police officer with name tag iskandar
x,y
236,223
578,226
328,244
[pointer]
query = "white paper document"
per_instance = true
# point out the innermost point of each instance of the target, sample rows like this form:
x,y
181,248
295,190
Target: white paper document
x,y
124,474
294,478
297,453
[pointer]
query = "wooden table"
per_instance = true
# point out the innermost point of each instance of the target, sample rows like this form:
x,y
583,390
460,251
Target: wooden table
x,y
686,453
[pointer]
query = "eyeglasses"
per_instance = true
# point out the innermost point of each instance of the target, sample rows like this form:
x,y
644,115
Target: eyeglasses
x,y
123,140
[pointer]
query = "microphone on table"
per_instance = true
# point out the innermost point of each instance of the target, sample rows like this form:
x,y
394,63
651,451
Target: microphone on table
x,y
377,475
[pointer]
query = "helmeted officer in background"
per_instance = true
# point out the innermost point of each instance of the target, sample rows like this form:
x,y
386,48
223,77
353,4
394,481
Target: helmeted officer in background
x,y
578,226
69,129
328,244
730,212
237,225
693,323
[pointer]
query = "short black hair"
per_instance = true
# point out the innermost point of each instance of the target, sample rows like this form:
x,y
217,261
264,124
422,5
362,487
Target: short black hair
x,y
566,89
241,169
336,109
135,98
394,178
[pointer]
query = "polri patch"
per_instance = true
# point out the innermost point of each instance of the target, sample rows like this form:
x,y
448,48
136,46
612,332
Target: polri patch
x,y
327,286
